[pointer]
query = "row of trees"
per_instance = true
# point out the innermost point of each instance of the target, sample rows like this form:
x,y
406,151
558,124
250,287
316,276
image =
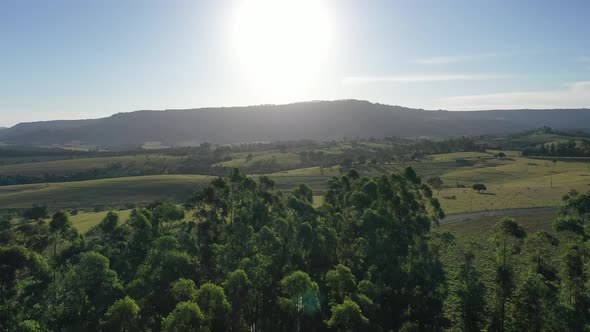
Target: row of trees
x,y
571,148
242,256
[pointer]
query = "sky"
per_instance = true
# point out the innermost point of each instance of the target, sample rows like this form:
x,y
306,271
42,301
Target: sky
x,y
73,59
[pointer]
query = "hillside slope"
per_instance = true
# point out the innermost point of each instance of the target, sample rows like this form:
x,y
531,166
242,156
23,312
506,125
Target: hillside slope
x,y
323,120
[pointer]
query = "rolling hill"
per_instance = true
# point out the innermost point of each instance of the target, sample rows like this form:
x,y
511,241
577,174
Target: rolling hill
x,y
321,120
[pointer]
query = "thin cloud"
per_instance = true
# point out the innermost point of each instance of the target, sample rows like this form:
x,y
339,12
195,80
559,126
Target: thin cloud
x,y
577,95
443,60
357,80
583,59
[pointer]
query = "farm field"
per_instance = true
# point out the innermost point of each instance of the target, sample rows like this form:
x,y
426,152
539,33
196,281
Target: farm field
x,y
116,192
515,182
289,160
480,229
62,167
512,182
4,160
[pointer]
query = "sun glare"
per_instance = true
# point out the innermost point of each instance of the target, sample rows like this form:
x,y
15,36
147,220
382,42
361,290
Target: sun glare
x,y
281,44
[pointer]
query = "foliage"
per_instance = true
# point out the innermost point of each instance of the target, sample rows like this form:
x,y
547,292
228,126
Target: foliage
x,y
241,255
435,182
184,290
347,317
123,315
36,212
479,187
251,256
569,148
187,316
211,299
470,293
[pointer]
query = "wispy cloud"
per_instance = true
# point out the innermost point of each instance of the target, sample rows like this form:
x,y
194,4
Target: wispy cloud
x,y
577,95
356,80
443,60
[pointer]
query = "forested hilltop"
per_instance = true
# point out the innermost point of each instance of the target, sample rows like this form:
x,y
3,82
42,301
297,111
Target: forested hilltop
x,y
320,120
240,255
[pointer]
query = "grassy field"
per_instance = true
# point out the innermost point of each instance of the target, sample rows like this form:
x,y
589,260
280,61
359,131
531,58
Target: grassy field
x,y
544,138
481,229
84,221
315,177
154,146
513,182
115,192
465,155
516,183
26,159
288,160
61,167
478,232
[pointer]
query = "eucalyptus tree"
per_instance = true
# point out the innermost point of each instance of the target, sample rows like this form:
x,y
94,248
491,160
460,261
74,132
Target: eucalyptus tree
x,y
508,238
123,315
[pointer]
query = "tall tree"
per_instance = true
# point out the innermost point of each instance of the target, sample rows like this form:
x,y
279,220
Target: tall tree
x,y
508,238
574,281
186,317
122,315
347,317
300,297
470,292
212,301
237,288
435,182
61,230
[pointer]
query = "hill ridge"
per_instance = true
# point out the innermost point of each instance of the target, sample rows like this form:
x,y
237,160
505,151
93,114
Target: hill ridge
x,y
318,120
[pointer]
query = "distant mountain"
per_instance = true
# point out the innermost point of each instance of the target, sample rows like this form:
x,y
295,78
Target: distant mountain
x,y
321,120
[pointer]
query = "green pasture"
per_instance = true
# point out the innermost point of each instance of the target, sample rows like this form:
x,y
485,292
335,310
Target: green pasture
x,y
518,183
115,192
62,167
512,182
241,160
84,221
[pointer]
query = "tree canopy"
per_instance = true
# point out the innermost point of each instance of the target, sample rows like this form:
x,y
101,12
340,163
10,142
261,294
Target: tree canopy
x,y
240,255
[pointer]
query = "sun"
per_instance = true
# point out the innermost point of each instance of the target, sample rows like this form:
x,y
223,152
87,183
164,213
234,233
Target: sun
x,y
281,45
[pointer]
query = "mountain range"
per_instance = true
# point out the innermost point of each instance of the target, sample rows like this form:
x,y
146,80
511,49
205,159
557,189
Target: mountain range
x,y
318,120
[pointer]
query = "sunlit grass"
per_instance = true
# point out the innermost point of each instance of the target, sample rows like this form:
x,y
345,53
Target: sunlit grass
x,y
84,221
513,182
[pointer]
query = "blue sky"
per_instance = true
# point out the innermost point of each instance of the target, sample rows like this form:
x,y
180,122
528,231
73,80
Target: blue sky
x,y
65,59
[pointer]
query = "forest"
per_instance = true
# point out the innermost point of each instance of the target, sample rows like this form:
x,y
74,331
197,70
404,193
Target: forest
x,y
253,258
